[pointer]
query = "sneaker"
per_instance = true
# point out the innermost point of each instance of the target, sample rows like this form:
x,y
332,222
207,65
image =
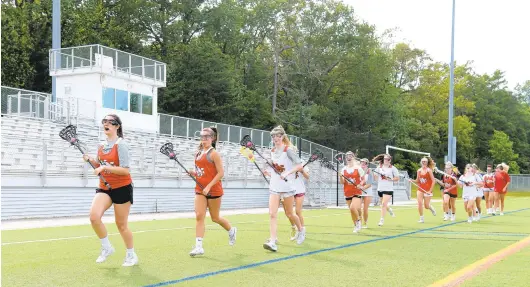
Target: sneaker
x,y
391,212
365,226
446,217
105,252
232,236
433,210
301,236
421,220
294,233
131,259
469,220
197,251
502,213
381,222
270,245
453,217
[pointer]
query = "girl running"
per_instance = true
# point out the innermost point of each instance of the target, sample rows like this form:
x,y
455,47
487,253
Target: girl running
x,y
425,180
369,182
450,192
489,180
386,174
113,163
352,193
469,185
502,180
480,192
299,195
209,172
287,163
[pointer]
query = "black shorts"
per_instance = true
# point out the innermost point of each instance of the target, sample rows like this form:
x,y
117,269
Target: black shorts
x,y
350,198
209,196
119,195
450,194
380,193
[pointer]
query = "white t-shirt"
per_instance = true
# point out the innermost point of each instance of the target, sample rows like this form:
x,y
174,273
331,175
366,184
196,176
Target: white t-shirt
x,y
470,192
350,170
386,184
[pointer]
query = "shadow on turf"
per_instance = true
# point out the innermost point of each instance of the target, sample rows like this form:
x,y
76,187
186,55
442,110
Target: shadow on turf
x,y
132,276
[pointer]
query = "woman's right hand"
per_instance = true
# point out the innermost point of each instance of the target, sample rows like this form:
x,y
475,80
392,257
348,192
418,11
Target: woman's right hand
x,y
86,157
193,172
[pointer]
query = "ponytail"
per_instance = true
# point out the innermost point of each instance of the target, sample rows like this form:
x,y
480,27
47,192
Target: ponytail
x,y
216,137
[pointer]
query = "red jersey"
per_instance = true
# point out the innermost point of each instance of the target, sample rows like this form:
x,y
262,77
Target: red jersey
x,y
206,171
501,179
452,189
112,159
425,181
351,189
489,180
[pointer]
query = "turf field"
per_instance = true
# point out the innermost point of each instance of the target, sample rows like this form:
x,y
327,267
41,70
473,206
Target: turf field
x,y
401,253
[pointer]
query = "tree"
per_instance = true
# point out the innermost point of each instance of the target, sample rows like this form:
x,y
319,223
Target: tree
x,y
501,148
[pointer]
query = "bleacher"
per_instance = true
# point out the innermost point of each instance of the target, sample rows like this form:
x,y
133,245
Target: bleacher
x,y
33,147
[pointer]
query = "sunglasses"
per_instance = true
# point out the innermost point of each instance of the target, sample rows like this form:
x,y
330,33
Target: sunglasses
x,y
112,122
386,158
205,137
277,136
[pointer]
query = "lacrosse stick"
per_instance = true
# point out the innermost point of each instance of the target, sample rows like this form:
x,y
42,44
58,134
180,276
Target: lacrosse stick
x,y
246,152
327,164
451,176
384,176
167,149
69,134
340,157
247,142
316,155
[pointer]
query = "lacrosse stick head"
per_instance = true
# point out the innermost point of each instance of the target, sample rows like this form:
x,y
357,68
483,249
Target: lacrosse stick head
x,y
69,134
340,157
326,163
316,155
246,141
167,149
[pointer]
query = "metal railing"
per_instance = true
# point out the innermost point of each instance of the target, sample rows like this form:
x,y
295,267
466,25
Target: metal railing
x,y
519,182
187,127
107,60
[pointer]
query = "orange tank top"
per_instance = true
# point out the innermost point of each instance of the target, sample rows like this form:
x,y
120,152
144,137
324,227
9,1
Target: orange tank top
x,y
489,181
206,171
452,189
425,181
112,159
351,189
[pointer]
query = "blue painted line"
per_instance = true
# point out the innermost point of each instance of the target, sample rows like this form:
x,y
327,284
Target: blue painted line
x,y
477,233
257,264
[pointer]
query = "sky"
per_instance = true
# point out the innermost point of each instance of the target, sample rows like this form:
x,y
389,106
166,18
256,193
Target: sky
x,y
492,34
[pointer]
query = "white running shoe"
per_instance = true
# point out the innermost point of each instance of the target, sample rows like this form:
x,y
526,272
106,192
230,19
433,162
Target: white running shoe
x,y
381,221
469,220
421,220
365,226
446,217
433,210
232,236
105,252
197,251
131,259
453,217
502,213
391,212
270,245
301,236
294,233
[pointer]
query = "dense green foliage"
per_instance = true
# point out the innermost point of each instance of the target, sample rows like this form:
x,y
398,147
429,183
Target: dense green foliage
x,y
337,83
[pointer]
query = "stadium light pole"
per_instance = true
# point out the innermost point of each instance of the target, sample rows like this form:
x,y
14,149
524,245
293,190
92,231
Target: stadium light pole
x,y
56,39
450,152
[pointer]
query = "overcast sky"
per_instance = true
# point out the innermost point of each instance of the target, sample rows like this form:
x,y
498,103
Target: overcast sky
x,y
493,34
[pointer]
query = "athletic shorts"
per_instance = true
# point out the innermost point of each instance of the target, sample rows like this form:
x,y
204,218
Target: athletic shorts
x,y
283,194
209,196
350,198
380,193
119,195
487,189
299,195
450,194
480,193
468,197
